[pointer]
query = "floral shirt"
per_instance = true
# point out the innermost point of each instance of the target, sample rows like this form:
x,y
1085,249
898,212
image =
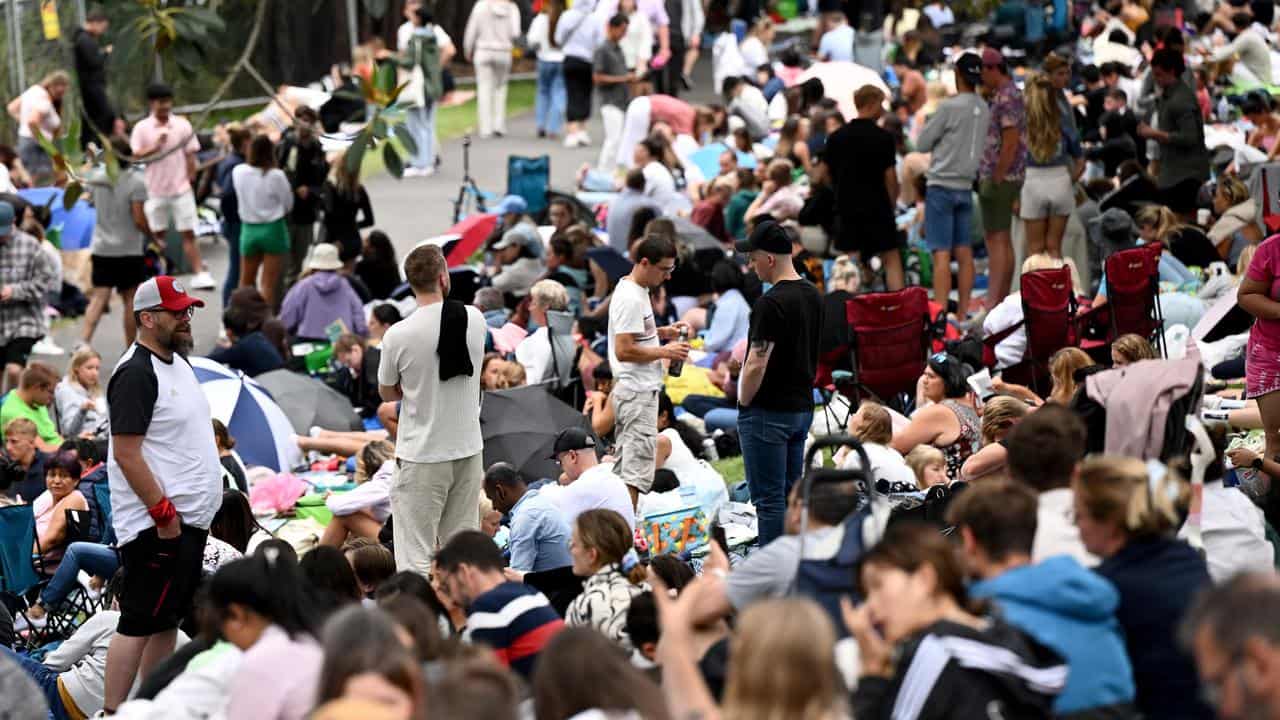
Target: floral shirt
x,y
1007,111
603,604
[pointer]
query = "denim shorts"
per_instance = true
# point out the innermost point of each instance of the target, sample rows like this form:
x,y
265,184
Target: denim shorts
x,y
948,215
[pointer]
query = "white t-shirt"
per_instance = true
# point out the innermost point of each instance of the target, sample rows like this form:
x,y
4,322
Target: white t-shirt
x,y
599,488
36,99
886,464
708,485
754,53
439,421
163,402
631,312
405,32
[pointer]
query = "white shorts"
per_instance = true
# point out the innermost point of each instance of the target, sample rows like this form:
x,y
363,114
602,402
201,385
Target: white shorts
x,y
1047,192
177,210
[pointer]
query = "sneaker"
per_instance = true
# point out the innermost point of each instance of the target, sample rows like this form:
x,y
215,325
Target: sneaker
x,y
23,624
203,281
45,346
571,140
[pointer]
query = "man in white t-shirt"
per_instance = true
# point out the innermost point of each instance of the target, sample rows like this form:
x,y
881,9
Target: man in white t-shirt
x,y
168,145
636,355
587,484
431,364
166,482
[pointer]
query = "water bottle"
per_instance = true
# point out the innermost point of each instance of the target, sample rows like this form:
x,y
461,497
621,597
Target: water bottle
x,y
677,366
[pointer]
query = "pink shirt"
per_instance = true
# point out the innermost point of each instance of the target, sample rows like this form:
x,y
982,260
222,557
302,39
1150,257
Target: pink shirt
x,y
277,678
166,177
672,111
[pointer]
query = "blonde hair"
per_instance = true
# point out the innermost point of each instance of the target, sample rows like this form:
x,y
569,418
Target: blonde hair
x,y
1233,190
512,374
371,457
999,415
762,26
1062,369
780,663
1157,215
921,457
550,295
844,268
1133,348
1044,117
1246,257
20,426
78,359
877,424
1045,261
57,77
1119,490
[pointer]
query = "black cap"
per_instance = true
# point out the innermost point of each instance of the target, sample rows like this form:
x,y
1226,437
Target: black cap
x,y
970,66
572,439
768,236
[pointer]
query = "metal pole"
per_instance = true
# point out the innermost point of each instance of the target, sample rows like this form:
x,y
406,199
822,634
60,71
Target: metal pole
x,y
81,15
15,14
353,34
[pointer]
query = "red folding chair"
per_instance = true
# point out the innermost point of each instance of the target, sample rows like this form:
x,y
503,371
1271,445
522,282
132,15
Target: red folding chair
x,y
1048,314
892,333
1133,292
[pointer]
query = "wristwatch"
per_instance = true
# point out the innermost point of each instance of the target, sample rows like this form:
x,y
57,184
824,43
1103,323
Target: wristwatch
x,y
1256,464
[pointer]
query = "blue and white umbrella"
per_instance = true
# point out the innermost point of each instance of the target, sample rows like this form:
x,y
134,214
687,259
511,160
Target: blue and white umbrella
x,y
262,431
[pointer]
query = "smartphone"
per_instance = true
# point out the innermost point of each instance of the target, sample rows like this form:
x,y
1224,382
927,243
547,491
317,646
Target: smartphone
x,y
717,534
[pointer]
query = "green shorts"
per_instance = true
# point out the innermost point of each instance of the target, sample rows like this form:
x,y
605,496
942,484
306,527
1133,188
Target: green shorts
x,y
996,200
271,238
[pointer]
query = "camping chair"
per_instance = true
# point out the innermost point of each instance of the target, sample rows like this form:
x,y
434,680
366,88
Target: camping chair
x,y
1048,311
530,177
1133,299
892,334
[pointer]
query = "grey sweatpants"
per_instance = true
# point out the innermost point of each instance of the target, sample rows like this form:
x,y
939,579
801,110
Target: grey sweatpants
x,y
430,502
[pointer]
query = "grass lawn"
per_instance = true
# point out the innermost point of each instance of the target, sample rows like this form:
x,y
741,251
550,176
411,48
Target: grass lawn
x,y
731,470
458,120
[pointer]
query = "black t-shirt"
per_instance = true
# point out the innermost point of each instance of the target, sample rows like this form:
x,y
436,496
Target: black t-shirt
x,y
858,155
789,316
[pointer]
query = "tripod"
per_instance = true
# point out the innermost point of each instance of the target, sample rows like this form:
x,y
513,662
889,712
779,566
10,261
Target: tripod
x,y
470,196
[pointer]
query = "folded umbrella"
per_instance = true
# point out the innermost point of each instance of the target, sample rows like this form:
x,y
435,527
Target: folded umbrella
x,y
520,425
308,402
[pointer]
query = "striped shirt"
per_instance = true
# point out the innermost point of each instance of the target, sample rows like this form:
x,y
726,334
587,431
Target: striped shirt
x,y
516,621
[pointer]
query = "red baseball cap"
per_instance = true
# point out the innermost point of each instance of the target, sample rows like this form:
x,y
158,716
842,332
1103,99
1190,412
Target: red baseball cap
x,y
991,57
164,291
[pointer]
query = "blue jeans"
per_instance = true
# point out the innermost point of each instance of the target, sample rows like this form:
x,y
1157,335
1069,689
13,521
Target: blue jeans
x,y
550,102
947,216
231,231
721,419
773,457
93,558
45,677
421,122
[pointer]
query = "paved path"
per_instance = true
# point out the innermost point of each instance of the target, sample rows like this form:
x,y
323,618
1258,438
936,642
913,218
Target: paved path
x,y
407,210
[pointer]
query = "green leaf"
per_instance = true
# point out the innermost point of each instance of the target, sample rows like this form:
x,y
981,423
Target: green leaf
x,y
395,94
406,139
384,78
72,193
379,128
395,165
355,153
47,145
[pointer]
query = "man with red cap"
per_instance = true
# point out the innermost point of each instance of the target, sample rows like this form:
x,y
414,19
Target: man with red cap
x,y
165,480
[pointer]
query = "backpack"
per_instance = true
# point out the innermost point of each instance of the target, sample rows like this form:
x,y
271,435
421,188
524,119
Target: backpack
x,y
425,53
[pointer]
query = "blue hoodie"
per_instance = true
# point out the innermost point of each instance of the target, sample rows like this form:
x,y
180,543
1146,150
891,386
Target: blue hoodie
x,y
1073,611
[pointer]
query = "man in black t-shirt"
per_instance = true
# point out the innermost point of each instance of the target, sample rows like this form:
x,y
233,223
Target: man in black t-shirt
x,y
862,158
775,388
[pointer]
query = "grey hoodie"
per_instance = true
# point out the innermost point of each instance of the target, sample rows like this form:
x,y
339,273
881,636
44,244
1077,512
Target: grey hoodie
x,y
956,135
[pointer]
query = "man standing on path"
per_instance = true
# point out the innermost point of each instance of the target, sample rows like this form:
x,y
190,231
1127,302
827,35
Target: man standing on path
x,y
862,157
1004,165
166,482
956,135
431,363
636,355
27,274
775,389
91,71
120,240
303,161
170,200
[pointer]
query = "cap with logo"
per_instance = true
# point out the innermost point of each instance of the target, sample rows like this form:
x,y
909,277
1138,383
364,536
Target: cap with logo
x,y
572,439
969,65
164,291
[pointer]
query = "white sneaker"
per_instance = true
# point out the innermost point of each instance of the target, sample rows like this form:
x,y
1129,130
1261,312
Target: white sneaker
x,y
203,281
571,140
45,346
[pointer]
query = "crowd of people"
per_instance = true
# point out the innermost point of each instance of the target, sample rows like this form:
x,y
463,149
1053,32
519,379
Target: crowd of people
x,y
978,548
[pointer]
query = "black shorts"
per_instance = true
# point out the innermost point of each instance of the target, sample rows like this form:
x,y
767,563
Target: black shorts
x,y
1183,198
867,236
17,350
121,273
160,580
577,89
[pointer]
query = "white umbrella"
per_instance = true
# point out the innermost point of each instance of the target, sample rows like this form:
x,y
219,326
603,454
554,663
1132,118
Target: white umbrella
x,y
840,80
262,431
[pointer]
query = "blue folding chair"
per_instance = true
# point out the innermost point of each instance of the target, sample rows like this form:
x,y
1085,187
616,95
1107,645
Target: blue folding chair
x,y
530,178
17,537
102,494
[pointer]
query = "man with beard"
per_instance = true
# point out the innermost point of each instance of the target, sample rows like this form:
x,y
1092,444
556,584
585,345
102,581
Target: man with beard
x,y
165,480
